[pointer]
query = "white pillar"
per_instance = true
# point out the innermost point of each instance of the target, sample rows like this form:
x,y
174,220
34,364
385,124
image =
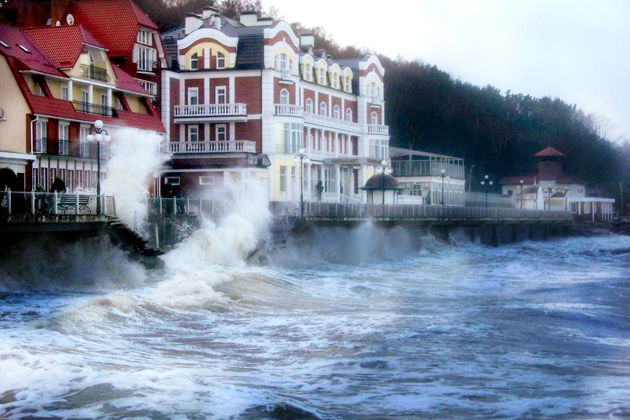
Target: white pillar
x,y
70,92
338,181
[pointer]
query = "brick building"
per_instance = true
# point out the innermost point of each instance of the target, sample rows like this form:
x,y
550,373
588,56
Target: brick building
x,y
243,97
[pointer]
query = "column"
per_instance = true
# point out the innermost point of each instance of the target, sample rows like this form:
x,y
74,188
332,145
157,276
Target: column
x,y
70,92
338,181
309,182
90,94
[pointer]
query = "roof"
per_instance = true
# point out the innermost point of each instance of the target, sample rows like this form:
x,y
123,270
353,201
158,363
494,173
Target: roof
x,y
516,180
126,82
400,151
32,60
549,152
62,44
381,182
114,22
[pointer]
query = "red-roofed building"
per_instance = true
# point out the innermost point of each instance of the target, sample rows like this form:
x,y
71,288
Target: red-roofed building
x,y
556,191
55,82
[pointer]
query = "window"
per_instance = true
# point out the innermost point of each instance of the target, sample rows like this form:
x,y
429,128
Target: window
x,y
104,104
347,82
221,132
146,58
334,79
171,180
144,37
308,72
323,109
378,149
374,118
336,112
283,179
220,94
84,106
348,114
321,78
330,180
309,106
193,96
63,138
193,133
220,60
65,93
84,145
372,89
292,138
282,62
39,91
194,61
206,180
284,97
41,135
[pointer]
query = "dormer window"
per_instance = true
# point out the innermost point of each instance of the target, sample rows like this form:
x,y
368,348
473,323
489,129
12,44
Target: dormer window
x,y
194,61
23,48
220,60
308,72
283,62
321,76
144,37
4,44
347,82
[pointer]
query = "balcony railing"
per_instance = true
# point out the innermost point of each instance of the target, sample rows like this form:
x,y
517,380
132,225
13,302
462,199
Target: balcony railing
x,y
94,72
84,149
63,147
289,110
382,130
406,168
93,108
41,145
210,110
147,65
231,146
327,119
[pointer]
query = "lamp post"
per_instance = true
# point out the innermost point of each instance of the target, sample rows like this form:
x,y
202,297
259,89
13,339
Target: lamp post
x,y
486,183
98,134
301,158
521,196
443,175
386,170
548,192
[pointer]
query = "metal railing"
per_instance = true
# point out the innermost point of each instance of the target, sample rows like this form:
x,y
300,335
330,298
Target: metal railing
x,y
41,145
289,110
185,206
317,117
89,108
382,130
146,65
94,72
246,146
20,203
210,110
63,147
402,168
84,149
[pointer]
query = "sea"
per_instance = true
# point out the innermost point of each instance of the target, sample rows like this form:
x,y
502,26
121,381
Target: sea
x,y
364,323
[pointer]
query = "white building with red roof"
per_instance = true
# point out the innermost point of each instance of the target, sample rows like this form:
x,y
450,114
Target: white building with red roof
x,y
56,81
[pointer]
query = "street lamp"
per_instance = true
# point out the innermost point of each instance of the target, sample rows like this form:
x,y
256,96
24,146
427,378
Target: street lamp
x,y
548,191
301,158
383,169
443,175
486,183
521,196
98,134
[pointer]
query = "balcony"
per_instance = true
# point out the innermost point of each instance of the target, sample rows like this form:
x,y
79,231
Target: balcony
x,y
331,121
288,110
97,109
94,73
147,65
84,149
379,130
231,146
210,112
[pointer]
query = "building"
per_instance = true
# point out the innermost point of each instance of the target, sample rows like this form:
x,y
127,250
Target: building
x,y
550,189
56,81
244,97
428,178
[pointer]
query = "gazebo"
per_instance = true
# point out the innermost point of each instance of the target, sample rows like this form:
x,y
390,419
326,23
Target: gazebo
x,y
381,188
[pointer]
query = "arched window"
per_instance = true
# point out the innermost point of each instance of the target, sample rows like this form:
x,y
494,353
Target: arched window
x,y
372,90
284,97
194,61
309,106
220,60
308,72
336,112
374,118
321,76
348,114
283,62
323,109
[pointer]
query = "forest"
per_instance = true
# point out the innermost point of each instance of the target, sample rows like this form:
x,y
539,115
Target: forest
x,y
428,110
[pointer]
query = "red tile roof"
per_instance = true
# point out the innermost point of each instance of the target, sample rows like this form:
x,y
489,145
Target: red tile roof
x,y
516,180
114,22
549,152
62,44
32,60
126,82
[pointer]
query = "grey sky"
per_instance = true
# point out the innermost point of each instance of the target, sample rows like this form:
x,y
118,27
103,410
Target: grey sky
x,y
576,50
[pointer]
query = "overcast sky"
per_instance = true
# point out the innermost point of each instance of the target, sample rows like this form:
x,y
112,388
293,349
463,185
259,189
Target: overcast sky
x,y
577,50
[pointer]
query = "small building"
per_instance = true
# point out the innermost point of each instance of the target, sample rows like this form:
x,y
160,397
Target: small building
x,y
550,189
431,178
382,188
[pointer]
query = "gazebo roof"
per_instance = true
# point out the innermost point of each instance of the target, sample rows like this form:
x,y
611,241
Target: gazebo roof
x,y
381,182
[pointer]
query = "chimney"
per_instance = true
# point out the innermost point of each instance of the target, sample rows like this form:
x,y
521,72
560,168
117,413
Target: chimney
x,y
208,12
249,18
307,42
192,23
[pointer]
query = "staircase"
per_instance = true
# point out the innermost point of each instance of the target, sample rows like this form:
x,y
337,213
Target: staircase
x,y
128,239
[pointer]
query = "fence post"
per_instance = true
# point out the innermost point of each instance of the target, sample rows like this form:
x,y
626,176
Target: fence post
x,y
160,205
157,237
174,205
55,202
76,204
32,202
187,205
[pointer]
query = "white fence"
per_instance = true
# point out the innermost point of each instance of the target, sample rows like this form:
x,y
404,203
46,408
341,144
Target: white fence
x,y
210,110
246,146
40,203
